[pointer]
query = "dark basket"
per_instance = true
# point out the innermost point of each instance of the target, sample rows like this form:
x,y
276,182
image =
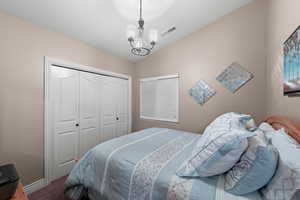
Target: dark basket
x,y
9,180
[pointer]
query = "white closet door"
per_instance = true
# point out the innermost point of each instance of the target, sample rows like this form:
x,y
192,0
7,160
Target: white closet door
x,y
89,115
115,115
108,111
87,109
122,107
64,98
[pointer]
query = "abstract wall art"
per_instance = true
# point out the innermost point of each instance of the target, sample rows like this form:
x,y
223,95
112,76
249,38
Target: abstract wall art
x,y
291,65
234,77
202,92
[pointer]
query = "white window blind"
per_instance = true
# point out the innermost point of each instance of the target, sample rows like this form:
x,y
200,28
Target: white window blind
x,y
159,98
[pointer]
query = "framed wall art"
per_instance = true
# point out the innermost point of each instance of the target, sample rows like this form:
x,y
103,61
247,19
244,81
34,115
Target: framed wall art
x,y
234,77
202,92
291,65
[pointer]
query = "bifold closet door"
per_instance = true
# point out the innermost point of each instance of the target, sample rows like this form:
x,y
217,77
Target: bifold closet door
x,y
122,107
75,99
64,93
89,135
86,109
108,111
114,110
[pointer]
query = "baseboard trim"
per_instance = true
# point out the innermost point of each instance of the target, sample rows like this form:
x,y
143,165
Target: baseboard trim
x,y
35,186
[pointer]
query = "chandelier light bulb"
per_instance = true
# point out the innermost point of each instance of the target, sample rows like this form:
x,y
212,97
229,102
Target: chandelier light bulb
x,y
153,35
138,43
131,31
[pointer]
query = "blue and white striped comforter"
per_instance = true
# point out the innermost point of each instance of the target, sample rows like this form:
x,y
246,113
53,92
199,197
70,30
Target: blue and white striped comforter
x,y
142,166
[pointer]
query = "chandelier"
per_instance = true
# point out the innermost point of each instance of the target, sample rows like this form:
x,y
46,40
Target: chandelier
x,y
139,46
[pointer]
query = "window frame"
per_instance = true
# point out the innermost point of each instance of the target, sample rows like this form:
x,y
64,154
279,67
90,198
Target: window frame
x,y
172,76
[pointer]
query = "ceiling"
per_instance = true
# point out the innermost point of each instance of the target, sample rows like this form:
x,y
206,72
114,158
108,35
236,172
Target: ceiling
x,y
102,23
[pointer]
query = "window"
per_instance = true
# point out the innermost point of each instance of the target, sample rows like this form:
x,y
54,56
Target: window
x,y
159,98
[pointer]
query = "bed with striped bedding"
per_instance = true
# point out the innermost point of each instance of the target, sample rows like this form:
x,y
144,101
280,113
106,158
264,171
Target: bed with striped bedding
x,y
142,166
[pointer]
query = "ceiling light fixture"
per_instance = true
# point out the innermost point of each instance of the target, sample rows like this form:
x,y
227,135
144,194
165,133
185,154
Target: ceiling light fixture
x,y
139,46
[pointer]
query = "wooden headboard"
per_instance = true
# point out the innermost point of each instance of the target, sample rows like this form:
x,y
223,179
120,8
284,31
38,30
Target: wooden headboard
x,y
290,126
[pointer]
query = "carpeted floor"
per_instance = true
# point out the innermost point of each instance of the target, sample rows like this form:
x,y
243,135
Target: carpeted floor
x,y
54,191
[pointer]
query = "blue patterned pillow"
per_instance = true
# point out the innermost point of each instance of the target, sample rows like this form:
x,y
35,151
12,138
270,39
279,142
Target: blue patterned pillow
x,y
255,169
220,147
285,185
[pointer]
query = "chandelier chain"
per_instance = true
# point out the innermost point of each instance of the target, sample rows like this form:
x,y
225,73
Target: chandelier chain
x,y
141,4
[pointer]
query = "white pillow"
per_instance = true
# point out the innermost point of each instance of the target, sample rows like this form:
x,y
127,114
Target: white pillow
x,y
220,147
270,132
266,127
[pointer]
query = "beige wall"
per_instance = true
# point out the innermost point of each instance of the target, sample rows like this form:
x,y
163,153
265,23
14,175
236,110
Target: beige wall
x,y
283,19
22,50
239,37
249,36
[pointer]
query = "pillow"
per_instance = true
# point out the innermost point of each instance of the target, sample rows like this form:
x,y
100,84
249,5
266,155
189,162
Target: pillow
x,y
255,169
249,123
280,134
285,184
265,127
220,147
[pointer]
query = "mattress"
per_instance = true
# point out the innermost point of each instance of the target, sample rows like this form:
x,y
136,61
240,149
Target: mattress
x,y
142,166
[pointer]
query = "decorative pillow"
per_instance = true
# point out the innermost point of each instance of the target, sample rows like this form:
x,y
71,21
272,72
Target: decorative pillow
x,y
285,184
220,147
255,169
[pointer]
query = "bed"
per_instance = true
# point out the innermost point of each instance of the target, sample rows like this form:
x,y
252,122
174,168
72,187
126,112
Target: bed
x,y
143,165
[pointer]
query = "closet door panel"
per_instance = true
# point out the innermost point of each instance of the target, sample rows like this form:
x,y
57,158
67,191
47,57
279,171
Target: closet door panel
x,y
64,97
122,97
122,107
89,116
109,132
66,153
109,106
122,129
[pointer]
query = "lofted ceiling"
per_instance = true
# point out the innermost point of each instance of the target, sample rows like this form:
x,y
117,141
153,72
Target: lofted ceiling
x,y
102,23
